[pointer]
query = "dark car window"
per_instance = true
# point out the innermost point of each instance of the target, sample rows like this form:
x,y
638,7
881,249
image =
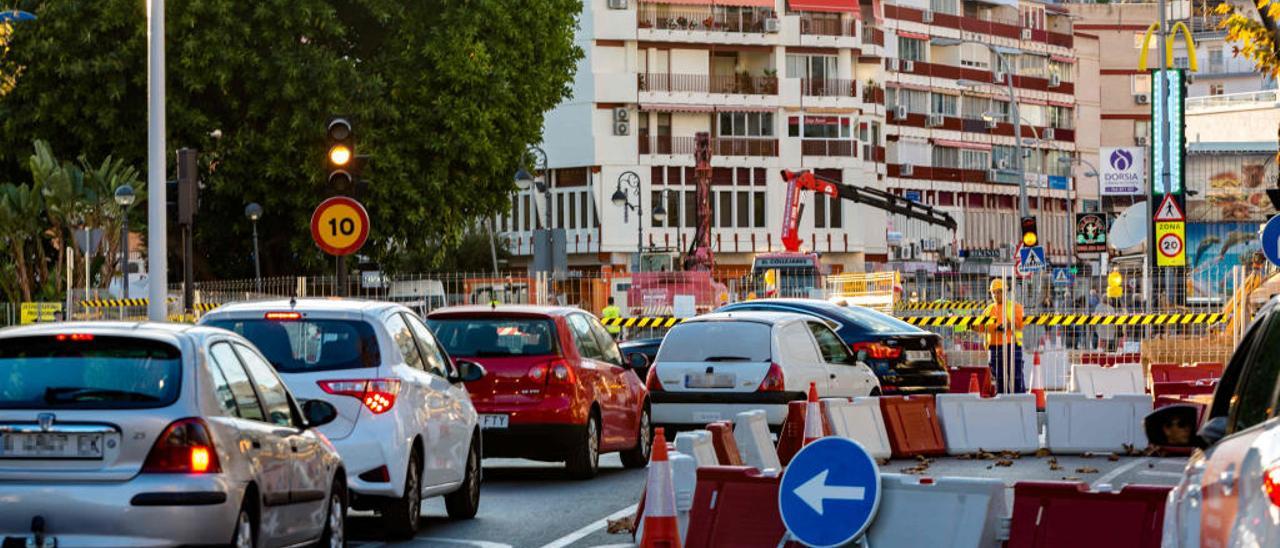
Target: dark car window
x,y
87,372
608,347
833,349
434,358
495,337
721,341
246,398
1255,395
863,319
274,396
1224,395
586,341
307,346
399,332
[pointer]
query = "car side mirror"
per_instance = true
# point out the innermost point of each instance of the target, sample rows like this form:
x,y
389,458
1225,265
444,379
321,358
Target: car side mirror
x,y
1173,426
468,371
318,413
637,360
860,357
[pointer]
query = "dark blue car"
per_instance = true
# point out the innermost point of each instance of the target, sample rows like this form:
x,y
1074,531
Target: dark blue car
x,y
907,359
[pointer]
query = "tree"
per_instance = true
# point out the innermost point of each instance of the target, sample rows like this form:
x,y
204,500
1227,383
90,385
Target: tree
x,y
445,96
1254,33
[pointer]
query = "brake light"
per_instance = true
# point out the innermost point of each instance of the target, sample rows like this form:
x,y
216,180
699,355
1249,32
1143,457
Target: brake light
x,y
283,316
877,350
379,395
185,447
941,355
77,337
559,372
773,380
651,381
1271,484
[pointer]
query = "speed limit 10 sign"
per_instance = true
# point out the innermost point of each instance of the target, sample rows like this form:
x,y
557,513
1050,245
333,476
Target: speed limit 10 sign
x,y
340,225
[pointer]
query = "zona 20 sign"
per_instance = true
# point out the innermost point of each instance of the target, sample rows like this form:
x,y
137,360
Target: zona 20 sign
x,y
340,226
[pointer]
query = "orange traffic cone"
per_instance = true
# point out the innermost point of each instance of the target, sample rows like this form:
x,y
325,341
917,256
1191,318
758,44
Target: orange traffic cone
x,y
974,388
813,417
661,530
1037,382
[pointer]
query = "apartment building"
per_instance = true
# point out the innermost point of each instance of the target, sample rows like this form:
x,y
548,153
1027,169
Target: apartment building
x,y
908,96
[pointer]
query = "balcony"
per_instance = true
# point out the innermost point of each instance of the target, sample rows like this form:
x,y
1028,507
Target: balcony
x,y
828,147
828,87
742,83
826,24
872,36
703,18
720,146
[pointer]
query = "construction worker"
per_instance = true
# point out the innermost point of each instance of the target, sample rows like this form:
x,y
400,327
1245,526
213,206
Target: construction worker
x,y
612,311
1004,339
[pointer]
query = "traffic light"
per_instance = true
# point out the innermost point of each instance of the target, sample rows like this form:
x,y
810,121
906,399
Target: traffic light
x,y
188,187
1115,284
1030,238
341,156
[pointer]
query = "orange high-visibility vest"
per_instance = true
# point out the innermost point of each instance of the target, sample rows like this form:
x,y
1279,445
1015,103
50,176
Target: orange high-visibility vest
x,y
1012,332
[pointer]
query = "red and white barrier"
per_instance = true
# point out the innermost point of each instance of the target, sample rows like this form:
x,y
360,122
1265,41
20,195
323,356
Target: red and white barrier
x,y
697,444
1004,423
751,433
1078,423
722,439
1102,380
862,421
735,506
912,424
915,511
1068,515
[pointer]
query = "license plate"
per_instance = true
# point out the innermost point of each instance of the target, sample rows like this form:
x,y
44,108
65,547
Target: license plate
x,y
50,445
493,421
919,355
718,380
706,417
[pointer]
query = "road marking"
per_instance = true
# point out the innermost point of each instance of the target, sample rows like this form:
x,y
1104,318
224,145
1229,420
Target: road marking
x,y
592,527
1109,476
1160,473
463,542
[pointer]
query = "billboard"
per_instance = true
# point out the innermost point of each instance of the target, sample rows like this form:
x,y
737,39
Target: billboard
x,y
1123,171
1212,250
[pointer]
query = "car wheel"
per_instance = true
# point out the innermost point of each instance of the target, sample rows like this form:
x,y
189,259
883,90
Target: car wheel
x,y
245,533
465,502
584,460
638,456
335,526
401,515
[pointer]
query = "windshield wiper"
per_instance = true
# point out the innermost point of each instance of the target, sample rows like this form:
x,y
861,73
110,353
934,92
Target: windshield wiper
x,y
726,359
64,394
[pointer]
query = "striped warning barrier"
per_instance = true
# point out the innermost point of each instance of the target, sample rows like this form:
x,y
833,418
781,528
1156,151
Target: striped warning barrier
x,y
642,321
1054,320
942,305
116,303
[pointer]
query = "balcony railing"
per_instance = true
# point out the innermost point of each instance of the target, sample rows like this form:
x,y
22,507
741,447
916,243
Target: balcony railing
x,y
827,87
1253,99
826,25
705,18
827,147
720,146
704,83
872,36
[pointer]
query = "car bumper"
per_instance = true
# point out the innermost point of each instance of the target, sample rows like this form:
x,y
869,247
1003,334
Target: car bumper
x,y
532,441
700,408
362,453
149,510
911,383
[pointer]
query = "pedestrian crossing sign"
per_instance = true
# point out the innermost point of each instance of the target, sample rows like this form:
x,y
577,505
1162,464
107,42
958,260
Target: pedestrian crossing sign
x,y
1061,276
1030,260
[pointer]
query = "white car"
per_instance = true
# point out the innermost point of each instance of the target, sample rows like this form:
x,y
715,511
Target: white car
x,y
406,428
715,366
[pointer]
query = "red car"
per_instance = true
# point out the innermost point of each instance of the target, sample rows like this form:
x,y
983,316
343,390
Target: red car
x,y
556,387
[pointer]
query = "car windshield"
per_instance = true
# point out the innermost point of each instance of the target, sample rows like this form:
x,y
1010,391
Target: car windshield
x,y
495,337
717,341
82,371
306,346
876,322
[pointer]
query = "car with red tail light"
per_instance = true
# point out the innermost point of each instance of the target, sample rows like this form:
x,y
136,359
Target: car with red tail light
x,y
714,366
557,387
405,425
136,434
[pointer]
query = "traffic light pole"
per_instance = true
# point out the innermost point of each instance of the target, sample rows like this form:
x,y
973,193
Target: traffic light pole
x,y
157,238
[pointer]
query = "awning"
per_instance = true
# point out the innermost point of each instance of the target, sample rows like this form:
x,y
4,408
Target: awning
x,y
749,3
1061,104
656,107
904,85
961,144
830,6
915,35
746,109
1061,59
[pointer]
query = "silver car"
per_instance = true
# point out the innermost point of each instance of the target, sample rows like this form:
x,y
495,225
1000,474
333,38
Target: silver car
x,y
127,434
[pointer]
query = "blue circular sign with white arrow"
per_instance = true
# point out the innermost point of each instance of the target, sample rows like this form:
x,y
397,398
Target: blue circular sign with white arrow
x,y
1271,240
829,493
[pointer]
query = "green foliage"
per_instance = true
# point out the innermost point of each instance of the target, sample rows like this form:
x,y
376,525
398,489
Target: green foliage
x,y
445,95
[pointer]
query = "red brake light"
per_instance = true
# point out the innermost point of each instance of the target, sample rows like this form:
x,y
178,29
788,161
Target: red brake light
x,y
78,337
185,447
379,395
773,380
283,316
1271,484
877,351
651,381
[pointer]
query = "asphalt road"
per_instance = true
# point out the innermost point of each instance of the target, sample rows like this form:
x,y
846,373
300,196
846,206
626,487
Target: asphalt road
x,y
530,504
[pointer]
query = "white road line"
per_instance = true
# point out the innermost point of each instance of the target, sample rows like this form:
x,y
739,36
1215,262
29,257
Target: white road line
x,y
463,542
1112,475
592,527
1160,473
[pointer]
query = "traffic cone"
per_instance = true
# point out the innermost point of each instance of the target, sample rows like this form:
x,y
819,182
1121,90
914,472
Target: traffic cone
x,y
1037,382
813,417
661,530
974,388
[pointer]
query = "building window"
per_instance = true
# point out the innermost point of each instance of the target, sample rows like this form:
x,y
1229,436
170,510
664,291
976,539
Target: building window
x,y
757,208
910,49
1065,71
946,157
820,127
1216,64
951,7
916,101
1060,117
1032,65
1181,61
972,108
1141,84
813,67
944,104
976,160
1142,129
745,124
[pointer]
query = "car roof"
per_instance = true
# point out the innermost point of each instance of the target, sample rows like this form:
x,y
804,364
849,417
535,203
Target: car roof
x,y
503,310
768,318
306,305
817,304
157,330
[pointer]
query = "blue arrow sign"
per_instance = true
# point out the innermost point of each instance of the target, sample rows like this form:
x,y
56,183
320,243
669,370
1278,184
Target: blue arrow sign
x,y
1031,259
1271,240
829,493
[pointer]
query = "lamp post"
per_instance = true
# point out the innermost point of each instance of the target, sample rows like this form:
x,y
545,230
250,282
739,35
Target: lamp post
x,y
157,161
632,181
524,180
124,198
254,212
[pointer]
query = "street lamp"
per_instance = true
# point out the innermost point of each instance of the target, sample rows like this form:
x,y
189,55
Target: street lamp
x,y
632,181
538,179
254,212
124,198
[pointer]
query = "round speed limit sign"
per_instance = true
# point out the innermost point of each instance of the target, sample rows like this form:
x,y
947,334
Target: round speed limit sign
x,y
340,225
1170,245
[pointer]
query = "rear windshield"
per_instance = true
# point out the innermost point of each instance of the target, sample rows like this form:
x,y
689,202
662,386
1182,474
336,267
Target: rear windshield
x,y
493,337
87,372
306,346
717,342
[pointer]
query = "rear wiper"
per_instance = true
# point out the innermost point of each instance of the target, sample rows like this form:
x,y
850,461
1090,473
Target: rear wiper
x,y
492,354
726,359
57,394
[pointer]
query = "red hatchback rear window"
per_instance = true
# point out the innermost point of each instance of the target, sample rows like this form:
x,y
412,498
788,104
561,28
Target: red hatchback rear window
x,y
495,337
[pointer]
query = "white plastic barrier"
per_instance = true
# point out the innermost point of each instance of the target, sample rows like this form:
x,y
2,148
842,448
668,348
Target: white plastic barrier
x,y
915,511
697,444
1079,423
1056,365
684,475
860,421
1094,380
1006,422
751,434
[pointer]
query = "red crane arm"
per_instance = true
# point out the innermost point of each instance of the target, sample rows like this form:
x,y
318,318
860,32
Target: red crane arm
x,y
806,180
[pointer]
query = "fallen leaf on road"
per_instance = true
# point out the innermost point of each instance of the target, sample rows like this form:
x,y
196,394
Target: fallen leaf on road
x,y
1113,457
883,462
1086,470
915,470
622,526
1042,452
1053,464
1010,454
1004,462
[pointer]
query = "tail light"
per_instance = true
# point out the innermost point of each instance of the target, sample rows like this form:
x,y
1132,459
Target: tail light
x,y
185,447
651,381
941,355
877,350
1271,484
773,380
379,395
560,372
538,373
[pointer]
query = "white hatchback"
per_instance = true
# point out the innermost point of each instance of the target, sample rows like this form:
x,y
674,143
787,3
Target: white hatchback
x,y
406,428
715,366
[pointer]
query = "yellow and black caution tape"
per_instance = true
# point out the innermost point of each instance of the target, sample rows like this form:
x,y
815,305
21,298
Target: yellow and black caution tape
x,y
116,303
642,321
943,305
1055,320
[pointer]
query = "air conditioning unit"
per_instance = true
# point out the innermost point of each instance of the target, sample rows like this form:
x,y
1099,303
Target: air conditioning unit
x,y
621,128
1002,163
992,175
935,120
617,4
908,66
772,25
1055,80
927,17
900,112
621,114
1140,141
1048,134
998,77
907,170
992,123
1026,34
892,64
1141,98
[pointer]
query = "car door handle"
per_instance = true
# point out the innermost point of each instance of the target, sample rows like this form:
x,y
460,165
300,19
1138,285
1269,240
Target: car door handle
x,y
256,444
833,375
